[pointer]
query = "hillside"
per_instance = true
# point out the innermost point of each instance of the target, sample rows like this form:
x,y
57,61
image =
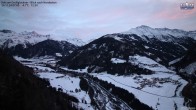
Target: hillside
x,y
20,89
99,55
31,44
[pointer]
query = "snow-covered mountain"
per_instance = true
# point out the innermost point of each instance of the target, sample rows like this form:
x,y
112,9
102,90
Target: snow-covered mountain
x,y
75,41
163,34
45,48
99,54
31,44
138,62
140,57
10,38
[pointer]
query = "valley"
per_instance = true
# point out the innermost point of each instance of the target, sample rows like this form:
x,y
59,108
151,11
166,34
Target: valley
x,y
142,69
160,91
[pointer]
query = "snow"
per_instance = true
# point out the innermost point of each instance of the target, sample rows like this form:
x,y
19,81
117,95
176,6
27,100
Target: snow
x,y
117,38
158,59
37,60
150,95
70,51
175,61
161,90
160,32
114,37
75,41
59,54
133,38
94,46
68,85
146,47
78,70
191,68
148,63
182,47
117,60
41,68
13,39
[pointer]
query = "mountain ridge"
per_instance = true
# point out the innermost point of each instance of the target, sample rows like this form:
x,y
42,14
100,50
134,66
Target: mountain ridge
x,y
10,38
98,54
144,30
31,44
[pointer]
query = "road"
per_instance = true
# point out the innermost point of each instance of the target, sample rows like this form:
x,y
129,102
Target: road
x,y
102,97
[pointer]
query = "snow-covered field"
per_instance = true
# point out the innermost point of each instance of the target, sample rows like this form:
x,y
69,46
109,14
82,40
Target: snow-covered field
x,y
148,63
69,85
66,83
78,70
37,61
117,60
161,90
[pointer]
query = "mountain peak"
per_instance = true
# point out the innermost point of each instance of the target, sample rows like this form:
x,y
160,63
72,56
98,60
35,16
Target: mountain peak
x,y
29,33
33,32
10,38
159,32
75,41
143,27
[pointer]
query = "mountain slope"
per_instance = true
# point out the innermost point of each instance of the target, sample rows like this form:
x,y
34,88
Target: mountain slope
x,y
48,47
188,58
22,90
160,33
31,44
186,68
75,41
186,65
11,39
98,55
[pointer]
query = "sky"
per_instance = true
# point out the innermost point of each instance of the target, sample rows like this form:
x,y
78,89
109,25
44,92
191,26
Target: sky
x,y
89,19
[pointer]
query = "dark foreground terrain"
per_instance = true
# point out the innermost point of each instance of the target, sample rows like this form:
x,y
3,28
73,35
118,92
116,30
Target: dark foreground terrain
x,y
21,90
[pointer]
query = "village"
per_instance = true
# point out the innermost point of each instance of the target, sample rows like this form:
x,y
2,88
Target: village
x,y
153,82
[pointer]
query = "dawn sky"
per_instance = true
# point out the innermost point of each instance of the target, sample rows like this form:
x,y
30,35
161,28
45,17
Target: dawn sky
x,y
87,19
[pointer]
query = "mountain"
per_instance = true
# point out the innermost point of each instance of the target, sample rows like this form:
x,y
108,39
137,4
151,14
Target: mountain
x,y
32,44
186,68
21,89
10,38
75,41
186,64
119,52
47,47
163,34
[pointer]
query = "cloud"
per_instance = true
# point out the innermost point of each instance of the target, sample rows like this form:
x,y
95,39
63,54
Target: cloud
x,y
93,18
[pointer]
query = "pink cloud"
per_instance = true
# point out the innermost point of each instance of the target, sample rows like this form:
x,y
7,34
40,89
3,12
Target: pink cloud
x,y
174,14
107,15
